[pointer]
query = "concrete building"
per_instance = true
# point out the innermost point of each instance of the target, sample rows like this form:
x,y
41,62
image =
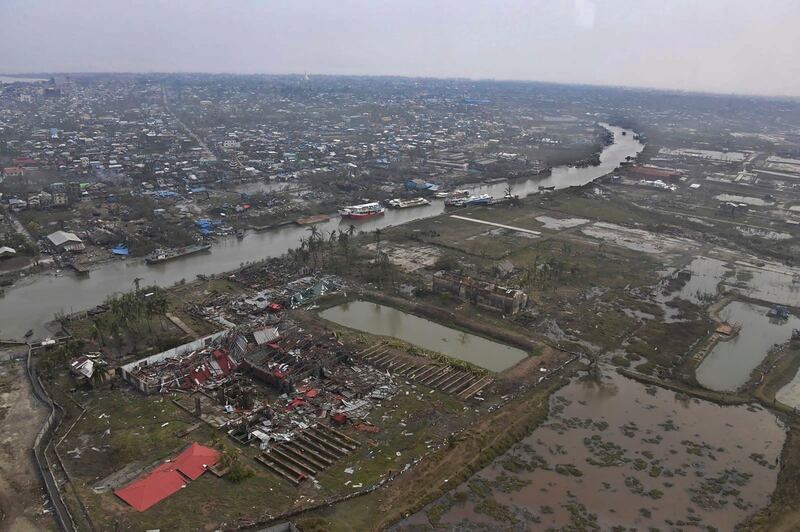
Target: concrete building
x,y
480,293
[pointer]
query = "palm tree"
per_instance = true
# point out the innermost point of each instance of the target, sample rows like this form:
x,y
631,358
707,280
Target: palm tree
x,y
98,376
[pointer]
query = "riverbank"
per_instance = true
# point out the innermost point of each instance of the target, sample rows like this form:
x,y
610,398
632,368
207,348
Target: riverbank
x,y
31,305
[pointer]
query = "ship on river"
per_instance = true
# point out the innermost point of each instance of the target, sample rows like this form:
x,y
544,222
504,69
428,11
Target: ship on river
x,y
163,255
406,203
365,210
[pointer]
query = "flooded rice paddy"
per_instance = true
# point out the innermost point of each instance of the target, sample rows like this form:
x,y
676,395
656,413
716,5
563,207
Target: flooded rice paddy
x,y
730,362
616,453
387,321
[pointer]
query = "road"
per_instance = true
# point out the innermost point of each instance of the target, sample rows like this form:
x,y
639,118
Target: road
x,y
208,153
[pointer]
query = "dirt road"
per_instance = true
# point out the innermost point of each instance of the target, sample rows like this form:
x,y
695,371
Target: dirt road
x,y
22,499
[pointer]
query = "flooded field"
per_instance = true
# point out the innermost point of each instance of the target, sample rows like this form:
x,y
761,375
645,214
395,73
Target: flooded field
x,y
776,284
561,223
744,199
730,362
637,239
387,321
616,453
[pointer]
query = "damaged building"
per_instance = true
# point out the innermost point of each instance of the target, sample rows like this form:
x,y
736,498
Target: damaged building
x,y
482,294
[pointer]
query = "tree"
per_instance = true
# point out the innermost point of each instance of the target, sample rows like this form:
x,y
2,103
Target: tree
x,y
377,233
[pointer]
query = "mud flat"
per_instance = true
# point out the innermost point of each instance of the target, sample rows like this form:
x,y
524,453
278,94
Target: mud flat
x,y
381,320
617,453
730,362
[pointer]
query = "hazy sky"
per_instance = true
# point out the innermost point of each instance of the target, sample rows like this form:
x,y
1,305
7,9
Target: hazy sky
x,y
744,46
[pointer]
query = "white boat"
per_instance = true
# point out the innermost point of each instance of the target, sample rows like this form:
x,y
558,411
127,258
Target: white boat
x,y
365,210
406,203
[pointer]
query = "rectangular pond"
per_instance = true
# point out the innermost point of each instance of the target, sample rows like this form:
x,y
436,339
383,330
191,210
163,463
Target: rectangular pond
x,y
387,321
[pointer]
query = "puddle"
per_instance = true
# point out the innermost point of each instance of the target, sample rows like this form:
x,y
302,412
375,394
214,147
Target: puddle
x,y
730,362
618,453
560,223
750,200
387,321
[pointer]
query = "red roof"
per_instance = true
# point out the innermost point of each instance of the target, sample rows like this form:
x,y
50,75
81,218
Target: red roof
x,y
169,477
195,459
162,482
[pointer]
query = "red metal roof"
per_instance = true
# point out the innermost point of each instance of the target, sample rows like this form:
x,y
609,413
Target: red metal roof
x,y
169,477
162,482
195,459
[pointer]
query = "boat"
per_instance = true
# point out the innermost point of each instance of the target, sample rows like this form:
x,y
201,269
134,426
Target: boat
x,y
457,198
483,199
406,203
163,255
552,187
365,210
29,333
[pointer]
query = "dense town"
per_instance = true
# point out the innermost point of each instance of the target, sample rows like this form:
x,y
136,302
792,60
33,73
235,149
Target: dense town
x,y
348,303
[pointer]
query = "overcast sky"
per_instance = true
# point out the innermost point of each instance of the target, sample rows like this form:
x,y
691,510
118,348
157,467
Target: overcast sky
x,y
742,46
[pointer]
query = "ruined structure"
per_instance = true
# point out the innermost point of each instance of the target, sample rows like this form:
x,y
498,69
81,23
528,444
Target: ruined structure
x,y
480,293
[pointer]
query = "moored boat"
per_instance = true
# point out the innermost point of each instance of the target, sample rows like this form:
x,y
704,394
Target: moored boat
x,y
364,210
406,203
163,255
483,199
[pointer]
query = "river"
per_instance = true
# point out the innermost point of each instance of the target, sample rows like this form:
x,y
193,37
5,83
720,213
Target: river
x,y
33,303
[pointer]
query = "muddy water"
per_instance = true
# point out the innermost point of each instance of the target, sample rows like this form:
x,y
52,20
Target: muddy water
x,y
30,304
730,362
617,453
707,273
387,321
781,287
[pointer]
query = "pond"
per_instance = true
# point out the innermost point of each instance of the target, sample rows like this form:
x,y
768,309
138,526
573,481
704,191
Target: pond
x,y
387,321
616,453
730,362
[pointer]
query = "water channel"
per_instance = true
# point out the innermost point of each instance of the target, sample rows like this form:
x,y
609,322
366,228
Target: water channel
x,y
34,302
387,321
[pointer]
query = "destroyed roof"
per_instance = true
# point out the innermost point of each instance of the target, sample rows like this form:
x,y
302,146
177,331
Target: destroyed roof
x,y
265,335
83,366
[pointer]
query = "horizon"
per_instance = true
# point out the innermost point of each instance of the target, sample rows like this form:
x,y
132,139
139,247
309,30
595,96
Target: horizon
x,y
665,90
716,47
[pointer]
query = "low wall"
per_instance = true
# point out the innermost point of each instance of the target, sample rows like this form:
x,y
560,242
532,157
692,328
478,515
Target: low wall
x,y
42,443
